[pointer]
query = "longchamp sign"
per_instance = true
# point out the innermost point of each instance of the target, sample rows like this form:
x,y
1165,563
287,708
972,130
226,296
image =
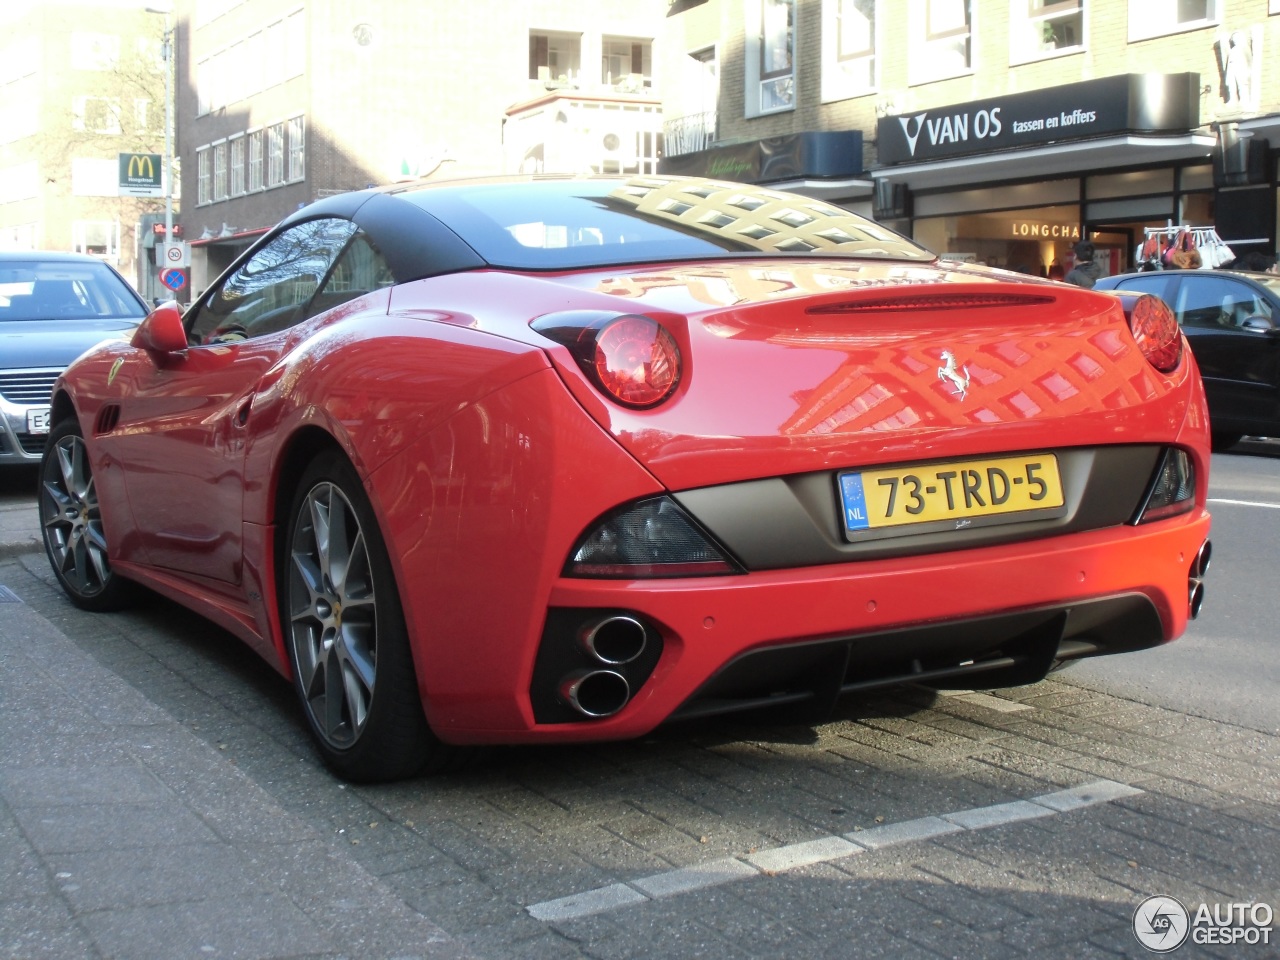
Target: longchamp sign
x,y
1130,103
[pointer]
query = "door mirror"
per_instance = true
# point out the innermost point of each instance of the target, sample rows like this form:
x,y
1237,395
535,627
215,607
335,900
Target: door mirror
x,y
162,331
1257,324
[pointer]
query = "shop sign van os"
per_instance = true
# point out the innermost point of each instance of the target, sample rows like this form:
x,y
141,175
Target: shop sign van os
x,y
1130,103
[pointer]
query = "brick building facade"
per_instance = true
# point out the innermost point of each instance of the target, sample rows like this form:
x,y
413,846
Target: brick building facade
x,y
995,130
284,101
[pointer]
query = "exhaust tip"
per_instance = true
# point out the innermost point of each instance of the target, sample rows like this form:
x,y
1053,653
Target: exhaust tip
x,y
1203,557
1196,598
595,693
614,640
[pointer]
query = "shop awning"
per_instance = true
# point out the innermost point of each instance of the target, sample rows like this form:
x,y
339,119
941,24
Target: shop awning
x,y
1071,158
828,189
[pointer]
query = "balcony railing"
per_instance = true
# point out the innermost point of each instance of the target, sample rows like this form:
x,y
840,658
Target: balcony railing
x,y
690,133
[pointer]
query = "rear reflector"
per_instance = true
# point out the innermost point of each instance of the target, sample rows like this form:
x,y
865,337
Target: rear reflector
x,y
652,538
1173,490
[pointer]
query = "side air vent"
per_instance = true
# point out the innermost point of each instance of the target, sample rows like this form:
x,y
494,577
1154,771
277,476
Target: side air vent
x,y
941,301
108,417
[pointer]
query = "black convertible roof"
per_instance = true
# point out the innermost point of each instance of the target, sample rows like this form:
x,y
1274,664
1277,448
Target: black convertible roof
x,y
545,223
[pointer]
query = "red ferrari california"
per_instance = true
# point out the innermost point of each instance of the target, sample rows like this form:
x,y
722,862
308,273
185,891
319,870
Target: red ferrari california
x,y
564,459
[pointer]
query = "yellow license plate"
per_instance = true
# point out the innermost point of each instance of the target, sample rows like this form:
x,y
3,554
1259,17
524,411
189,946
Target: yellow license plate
x,y
954,495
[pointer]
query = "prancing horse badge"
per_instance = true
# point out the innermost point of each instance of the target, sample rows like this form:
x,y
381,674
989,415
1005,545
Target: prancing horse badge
x,y
959,377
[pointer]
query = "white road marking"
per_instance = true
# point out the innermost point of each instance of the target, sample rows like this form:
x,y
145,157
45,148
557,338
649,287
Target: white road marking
x,y
985,700
793,856
1245,503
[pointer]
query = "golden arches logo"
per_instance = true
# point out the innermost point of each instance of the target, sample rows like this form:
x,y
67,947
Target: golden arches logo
x,y
141,166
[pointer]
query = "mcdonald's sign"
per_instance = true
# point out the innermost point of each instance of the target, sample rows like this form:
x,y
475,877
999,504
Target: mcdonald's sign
x,y
141,175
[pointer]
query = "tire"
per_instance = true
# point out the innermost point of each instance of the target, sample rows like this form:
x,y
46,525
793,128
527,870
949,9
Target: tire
x,y
1224,441
71,523
345,631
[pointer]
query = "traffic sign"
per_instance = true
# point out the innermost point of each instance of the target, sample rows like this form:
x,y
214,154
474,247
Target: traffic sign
x,y
176,254
173,278
141,175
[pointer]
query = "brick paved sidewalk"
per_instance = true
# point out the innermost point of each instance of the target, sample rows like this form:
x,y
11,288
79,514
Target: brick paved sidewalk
x,y
158,797
124,835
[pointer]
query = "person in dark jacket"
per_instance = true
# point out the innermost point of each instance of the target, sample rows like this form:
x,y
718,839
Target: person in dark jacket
x,y
1087,270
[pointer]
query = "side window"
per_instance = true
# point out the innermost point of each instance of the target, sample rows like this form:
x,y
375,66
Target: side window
x,y
1215,302
361,269
1247,304
270,291
1159,284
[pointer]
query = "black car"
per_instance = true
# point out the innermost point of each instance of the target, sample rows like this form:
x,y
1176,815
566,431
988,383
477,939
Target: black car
x,y
1232,320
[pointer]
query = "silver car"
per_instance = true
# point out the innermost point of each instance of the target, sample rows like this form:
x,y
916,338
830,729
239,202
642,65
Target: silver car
x,y
53,307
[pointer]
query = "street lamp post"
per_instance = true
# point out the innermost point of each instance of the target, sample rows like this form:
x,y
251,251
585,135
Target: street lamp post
x,y
167,51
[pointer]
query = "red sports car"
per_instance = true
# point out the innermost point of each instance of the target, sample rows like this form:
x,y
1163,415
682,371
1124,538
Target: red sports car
x,y
564,459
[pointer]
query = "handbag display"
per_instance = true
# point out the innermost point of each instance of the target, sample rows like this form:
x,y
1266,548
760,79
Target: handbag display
x,y
1184,255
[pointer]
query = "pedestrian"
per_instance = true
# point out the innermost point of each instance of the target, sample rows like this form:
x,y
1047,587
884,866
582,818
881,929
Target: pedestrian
x,y
1255,261
1087,270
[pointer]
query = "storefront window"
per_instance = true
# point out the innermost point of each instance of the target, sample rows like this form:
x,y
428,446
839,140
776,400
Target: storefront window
x,y
1035,241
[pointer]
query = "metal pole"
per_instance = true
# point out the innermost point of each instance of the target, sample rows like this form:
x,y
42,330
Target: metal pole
x,y
168,129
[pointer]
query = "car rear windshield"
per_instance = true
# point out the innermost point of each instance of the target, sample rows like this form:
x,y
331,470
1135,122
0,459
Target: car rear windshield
x,y
61,290
568,224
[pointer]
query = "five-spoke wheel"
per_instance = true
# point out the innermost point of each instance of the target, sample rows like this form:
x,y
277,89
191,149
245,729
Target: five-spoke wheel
x,y
71,522
348,645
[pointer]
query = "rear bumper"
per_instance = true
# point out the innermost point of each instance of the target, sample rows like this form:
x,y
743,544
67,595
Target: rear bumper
x,y
854,625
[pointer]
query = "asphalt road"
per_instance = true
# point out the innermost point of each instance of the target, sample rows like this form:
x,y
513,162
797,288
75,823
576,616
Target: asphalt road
x,y
1226,666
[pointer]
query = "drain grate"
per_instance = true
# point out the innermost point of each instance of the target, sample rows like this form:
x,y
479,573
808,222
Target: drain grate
x,y
7,595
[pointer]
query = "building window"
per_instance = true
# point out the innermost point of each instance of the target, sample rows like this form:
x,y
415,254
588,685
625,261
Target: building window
x,y
941,40
220,171
236,163
849,67
95,51
20,237
297,150
275,155
275,65
204,176
98,238
203,81
255,161
1045,28
555,58
770,57
1158,18
627,65
295,46
95,115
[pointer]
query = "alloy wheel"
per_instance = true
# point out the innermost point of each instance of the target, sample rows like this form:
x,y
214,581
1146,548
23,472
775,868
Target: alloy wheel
x,y
71,518
333,615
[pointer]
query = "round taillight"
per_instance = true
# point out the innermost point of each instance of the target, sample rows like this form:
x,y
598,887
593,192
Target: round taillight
x,y
636,361
1155,328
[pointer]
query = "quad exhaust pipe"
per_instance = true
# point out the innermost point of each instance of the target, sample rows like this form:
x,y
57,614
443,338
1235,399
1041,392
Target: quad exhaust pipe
x,y
595,693
1195,580
612,642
